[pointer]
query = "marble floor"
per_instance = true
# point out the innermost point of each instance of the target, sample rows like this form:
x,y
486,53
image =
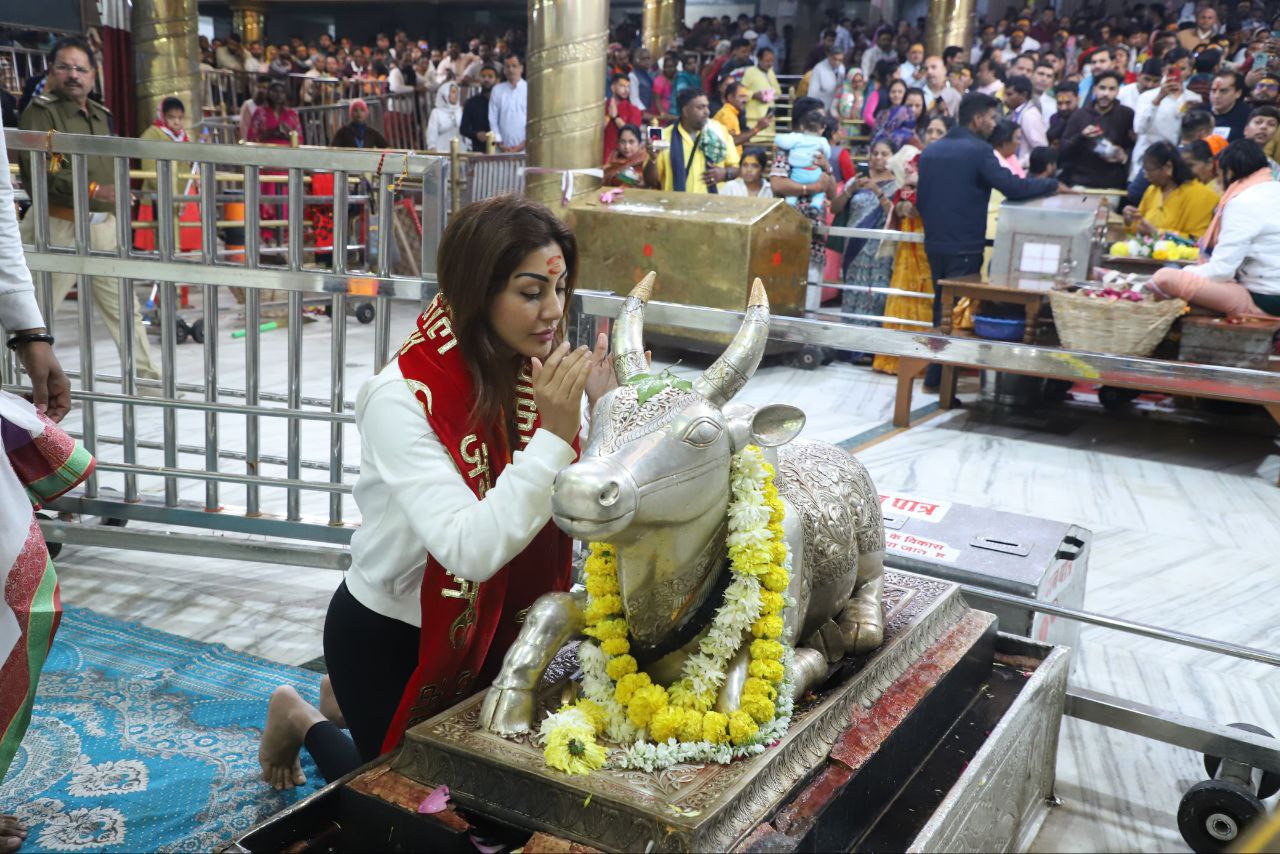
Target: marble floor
x,y
1185,519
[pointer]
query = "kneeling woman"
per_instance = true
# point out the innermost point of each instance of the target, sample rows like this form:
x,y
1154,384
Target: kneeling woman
x,y
1242,275
461,438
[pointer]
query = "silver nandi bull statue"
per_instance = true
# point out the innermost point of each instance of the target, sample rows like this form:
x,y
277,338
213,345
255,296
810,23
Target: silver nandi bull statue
x,y
654,481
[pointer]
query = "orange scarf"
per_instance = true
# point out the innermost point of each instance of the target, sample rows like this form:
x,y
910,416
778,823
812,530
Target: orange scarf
x,y
1210,238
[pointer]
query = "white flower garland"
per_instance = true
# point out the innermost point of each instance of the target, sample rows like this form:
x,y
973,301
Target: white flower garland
x,y
706,670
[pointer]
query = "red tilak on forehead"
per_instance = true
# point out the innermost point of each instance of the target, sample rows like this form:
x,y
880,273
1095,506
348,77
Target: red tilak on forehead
x,y
555,265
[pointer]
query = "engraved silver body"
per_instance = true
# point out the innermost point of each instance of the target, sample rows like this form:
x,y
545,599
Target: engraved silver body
x,y
653,481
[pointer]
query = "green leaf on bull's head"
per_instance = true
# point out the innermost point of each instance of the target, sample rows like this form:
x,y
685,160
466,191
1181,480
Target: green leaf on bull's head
x,y
648,385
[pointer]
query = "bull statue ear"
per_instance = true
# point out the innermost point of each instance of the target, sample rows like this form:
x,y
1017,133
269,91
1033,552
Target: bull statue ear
x,y
768,426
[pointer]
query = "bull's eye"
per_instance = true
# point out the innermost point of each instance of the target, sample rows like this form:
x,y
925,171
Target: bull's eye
x,y
702,432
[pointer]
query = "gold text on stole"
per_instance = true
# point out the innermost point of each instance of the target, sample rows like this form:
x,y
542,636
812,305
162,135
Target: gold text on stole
x,y
526,409
476,454
437,326
459,627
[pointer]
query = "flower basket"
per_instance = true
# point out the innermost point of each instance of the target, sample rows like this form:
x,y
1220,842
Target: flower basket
x,y
1118,326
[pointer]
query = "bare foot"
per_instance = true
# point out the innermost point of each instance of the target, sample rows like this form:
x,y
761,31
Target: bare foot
x,y
288,719
12,833
329,704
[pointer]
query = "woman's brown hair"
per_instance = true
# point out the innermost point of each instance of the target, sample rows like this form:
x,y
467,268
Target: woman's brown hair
x,y
480,250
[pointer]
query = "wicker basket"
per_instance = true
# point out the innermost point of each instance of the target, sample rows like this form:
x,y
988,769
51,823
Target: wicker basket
x,y
1119,327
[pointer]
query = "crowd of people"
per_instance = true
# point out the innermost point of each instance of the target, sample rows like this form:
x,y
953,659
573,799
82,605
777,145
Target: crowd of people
x,y
1146,103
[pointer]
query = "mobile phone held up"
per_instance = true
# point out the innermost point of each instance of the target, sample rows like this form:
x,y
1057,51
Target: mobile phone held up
x,y
655,138
1175,74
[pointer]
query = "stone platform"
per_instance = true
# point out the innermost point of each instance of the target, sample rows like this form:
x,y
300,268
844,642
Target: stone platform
x,y
932,637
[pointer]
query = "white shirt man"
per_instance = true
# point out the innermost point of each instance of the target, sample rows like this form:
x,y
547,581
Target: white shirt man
x,y
1129,94
825,81
935,74
872,56
1159,121
1042,80
253,64
844,40
509,110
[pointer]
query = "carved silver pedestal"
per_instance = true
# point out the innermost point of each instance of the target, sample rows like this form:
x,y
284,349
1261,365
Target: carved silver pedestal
x,y
687,807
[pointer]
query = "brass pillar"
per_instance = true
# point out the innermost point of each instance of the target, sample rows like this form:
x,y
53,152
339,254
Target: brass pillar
x,y
166,57
661,24
566,66
950,22
249,20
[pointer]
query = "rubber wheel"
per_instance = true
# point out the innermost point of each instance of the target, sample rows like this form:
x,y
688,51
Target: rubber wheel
x,y
328,310
197,330
1215,813
1116,398
808,358
112,522
364,312
181,331
1270,783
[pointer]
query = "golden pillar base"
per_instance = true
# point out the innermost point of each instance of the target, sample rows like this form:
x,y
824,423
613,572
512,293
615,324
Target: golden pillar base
x,y
661,24
950,22
249,20
566,65
166,57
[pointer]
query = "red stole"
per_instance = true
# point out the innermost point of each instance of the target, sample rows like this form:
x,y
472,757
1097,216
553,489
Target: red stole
x,y
468,627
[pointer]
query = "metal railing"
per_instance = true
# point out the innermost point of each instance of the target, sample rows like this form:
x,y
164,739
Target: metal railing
x,y
140,481
18,64
299,273
1101,368
226,89
402,118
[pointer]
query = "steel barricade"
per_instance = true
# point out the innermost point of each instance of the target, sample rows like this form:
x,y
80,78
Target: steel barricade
x,y
402,118
488,175
144,470
19,64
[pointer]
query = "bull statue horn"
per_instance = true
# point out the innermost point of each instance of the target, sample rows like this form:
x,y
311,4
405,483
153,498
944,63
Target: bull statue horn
x,y
628,333
726,377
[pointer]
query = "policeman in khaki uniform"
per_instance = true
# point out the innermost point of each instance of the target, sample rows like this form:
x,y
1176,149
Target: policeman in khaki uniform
x,y
65,107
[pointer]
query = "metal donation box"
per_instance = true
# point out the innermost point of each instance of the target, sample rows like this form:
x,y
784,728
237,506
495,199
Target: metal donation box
x,y
706,250
1056,237
1007,552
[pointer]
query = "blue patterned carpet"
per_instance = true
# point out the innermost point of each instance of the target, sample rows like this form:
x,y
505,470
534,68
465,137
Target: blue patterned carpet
x,y
144,741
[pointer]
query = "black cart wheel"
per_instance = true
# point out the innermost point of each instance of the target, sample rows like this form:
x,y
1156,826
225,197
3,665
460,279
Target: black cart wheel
x,y
181,332
1116,398
364,312
197,330
809,357
1270,783
1213,814
112,522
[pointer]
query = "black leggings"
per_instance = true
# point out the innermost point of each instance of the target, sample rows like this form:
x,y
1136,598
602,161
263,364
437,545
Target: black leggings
x,y
370,659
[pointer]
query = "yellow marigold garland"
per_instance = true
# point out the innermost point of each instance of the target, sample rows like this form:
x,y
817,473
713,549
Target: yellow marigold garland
x,y
683,712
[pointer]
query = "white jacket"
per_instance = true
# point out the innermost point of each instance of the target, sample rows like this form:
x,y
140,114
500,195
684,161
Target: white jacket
x,y
413,502
1162,123
1248,249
